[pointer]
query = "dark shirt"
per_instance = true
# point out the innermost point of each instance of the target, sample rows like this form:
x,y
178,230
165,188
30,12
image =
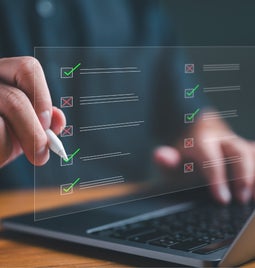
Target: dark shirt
x,y
29,23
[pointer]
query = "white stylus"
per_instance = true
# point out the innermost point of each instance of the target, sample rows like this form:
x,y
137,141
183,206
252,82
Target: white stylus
x,y
55,144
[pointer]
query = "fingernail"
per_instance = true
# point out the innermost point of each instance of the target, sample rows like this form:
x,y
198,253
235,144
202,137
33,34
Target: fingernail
x,y
45,119
224,193
167,156
245,195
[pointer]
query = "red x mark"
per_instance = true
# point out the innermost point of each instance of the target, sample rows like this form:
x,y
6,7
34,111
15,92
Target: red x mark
x,y
188,143
189,68
67,131
66,102
188,167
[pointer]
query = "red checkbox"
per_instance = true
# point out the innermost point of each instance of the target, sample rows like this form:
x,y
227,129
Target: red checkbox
x,y
188,142
66,102
189,68
188,167
67,131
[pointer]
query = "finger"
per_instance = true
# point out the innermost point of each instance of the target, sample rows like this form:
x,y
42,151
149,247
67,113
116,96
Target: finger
x,y
58,120
252,147
252,144
242,169
167,157
5,143
16,149
17,110
214,171
26,74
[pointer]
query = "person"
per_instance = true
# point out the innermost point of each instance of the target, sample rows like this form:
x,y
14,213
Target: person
x,y
26,105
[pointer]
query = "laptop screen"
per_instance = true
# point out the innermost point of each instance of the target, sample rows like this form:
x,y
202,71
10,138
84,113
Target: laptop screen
x,y
125,104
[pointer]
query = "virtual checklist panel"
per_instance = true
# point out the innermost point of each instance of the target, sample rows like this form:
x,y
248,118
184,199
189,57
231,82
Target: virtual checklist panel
x,y
121,103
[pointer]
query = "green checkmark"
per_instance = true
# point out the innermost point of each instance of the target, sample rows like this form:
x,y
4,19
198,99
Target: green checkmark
x,y
71,186
191,117
72,155
72,70
191,92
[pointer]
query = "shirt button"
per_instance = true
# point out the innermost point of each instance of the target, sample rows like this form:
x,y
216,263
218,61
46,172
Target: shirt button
x,y
45,8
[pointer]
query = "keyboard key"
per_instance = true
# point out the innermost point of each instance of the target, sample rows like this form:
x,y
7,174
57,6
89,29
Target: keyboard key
x,y
143,238
189,245
213,247
165,241
124,234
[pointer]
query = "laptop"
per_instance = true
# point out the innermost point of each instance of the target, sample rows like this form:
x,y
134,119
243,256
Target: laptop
x,y
187,228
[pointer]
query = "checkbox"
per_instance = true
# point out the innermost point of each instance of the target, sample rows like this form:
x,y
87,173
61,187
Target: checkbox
x,y
67,131
64,70
188,167
188,118
188,93
66,102
63,163
188,143
66,189
189,68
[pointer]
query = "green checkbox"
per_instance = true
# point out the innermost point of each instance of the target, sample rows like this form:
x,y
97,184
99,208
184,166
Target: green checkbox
x,y
68,188
189,118
189,93
71,186
72,70
72,156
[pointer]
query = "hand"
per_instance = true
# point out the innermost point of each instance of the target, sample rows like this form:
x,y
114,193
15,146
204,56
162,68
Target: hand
x,y
235,179
25,111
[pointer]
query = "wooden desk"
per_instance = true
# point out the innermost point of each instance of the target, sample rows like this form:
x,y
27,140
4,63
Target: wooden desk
x,y
18,250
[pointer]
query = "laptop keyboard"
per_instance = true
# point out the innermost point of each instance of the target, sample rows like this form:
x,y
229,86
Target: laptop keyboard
x,y
201,230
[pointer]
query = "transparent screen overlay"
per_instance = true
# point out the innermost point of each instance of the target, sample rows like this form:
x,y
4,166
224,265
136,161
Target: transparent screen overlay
x,y
121,103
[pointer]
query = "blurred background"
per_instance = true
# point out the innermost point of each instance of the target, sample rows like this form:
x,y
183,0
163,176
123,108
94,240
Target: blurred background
x,y
182,23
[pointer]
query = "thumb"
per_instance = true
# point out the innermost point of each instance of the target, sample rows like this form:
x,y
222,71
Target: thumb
x,y
167,157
